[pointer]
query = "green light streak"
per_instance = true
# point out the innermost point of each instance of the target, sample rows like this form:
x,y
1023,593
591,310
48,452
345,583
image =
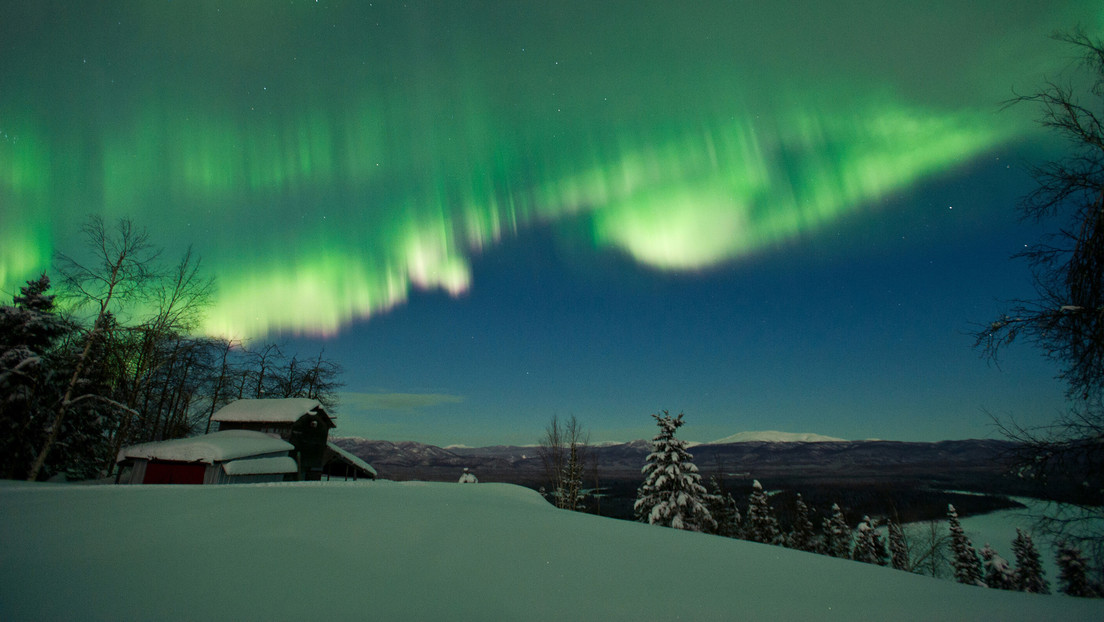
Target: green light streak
x,y
25,241
325,168
348,229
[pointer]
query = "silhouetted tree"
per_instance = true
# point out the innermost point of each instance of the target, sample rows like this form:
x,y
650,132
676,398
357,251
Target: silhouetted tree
x,y
1029,575
120,270
1073,576
1065,319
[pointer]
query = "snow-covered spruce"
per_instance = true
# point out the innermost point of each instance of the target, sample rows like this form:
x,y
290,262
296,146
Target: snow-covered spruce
x,y
761,525
803,535
672,494
998,573
1029,574
1073,576
722,507
898,548
837,535
967,568
36,366
869,546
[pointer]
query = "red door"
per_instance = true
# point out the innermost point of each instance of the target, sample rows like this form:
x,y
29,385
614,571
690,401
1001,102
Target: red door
x,y
174,473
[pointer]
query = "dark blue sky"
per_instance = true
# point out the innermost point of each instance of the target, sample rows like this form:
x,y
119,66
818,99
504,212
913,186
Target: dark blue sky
x,y
860,332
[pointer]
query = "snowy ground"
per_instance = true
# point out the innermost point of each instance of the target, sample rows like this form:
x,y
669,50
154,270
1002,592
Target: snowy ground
x,y
426,551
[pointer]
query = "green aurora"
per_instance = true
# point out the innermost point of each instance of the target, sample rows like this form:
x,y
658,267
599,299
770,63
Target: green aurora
x,y
327,158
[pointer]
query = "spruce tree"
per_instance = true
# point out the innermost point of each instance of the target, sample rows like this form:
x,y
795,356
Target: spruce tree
x,y
998,574
802,536
1072,571
29,389
761,525
837,535
1029,575
722,507
672,494
967,568
898,549
869,546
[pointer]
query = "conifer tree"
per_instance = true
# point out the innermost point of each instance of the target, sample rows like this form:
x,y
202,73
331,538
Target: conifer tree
x,y
803,536
29,330
998,574
837,535
761,525
672,494
869,546
967,568
722,507
898,549
1072,571
1029,575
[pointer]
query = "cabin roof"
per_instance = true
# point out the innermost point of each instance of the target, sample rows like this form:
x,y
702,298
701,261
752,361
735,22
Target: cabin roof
x,y
281,410
209,448
350,458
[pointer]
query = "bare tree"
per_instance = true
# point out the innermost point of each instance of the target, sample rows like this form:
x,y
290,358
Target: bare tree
x,y
120,270
1066,317
265,360
564,452
220,381
929,550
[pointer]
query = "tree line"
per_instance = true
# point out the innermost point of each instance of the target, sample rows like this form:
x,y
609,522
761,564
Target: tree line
x,y
673,495
115,358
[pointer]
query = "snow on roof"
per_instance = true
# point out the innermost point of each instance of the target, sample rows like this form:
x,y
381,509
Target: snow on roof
x,y
284,410
351,458
209,448
260,466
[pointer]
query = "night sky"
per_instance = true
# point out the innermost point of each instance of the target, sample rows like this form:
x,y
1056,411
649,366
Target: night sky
x,y
784,215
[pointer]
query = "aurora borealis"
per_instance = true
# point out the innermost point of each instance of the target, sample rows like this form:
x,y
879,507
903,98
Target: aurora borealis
x,y
330,160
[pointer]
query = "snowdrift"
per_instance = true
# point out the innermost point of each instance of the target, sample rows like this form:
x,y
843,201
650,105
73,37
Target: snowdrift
x,y
426,551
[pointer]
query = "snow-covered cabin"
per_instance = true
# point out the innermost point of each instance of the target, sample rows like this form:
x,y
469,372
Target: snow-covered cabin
x,y
232,456
305,424
300,421
262,440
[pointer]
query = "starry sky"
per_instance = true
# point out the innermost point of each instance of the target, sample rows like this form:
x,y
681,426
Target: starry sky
x,y
784,215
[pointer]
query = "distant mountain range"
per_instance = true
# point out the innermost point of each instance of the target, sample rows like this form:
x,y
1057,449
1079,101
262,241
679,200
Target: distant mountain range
x,y
942,464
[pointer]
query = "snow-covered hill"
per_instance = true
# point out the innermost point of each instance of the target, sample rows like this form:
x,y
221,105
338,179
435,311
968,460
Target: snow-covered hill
x,y
774,436
426,551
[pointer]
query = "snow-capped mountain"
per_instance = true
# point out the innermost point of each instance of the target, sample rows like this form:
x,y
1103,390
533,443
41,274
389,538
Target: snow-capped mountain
x,y
774,436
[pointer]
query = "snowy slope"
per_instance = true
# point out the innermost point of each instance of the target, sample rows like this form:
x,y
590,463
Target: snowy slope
x,y
426,551
774,436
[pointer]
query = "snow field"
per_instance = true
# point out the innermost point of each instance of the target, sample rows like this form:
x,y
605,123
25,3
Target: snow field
x,y
426,551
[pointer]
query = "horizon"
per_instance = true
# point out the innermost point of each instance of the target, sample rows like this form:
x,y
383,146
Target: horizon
x,y
690,443
786,217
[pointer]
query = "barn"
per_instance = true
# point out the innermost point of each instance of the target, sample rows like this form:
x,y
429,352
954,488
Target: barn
x,y
302,422
258,440
227,457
